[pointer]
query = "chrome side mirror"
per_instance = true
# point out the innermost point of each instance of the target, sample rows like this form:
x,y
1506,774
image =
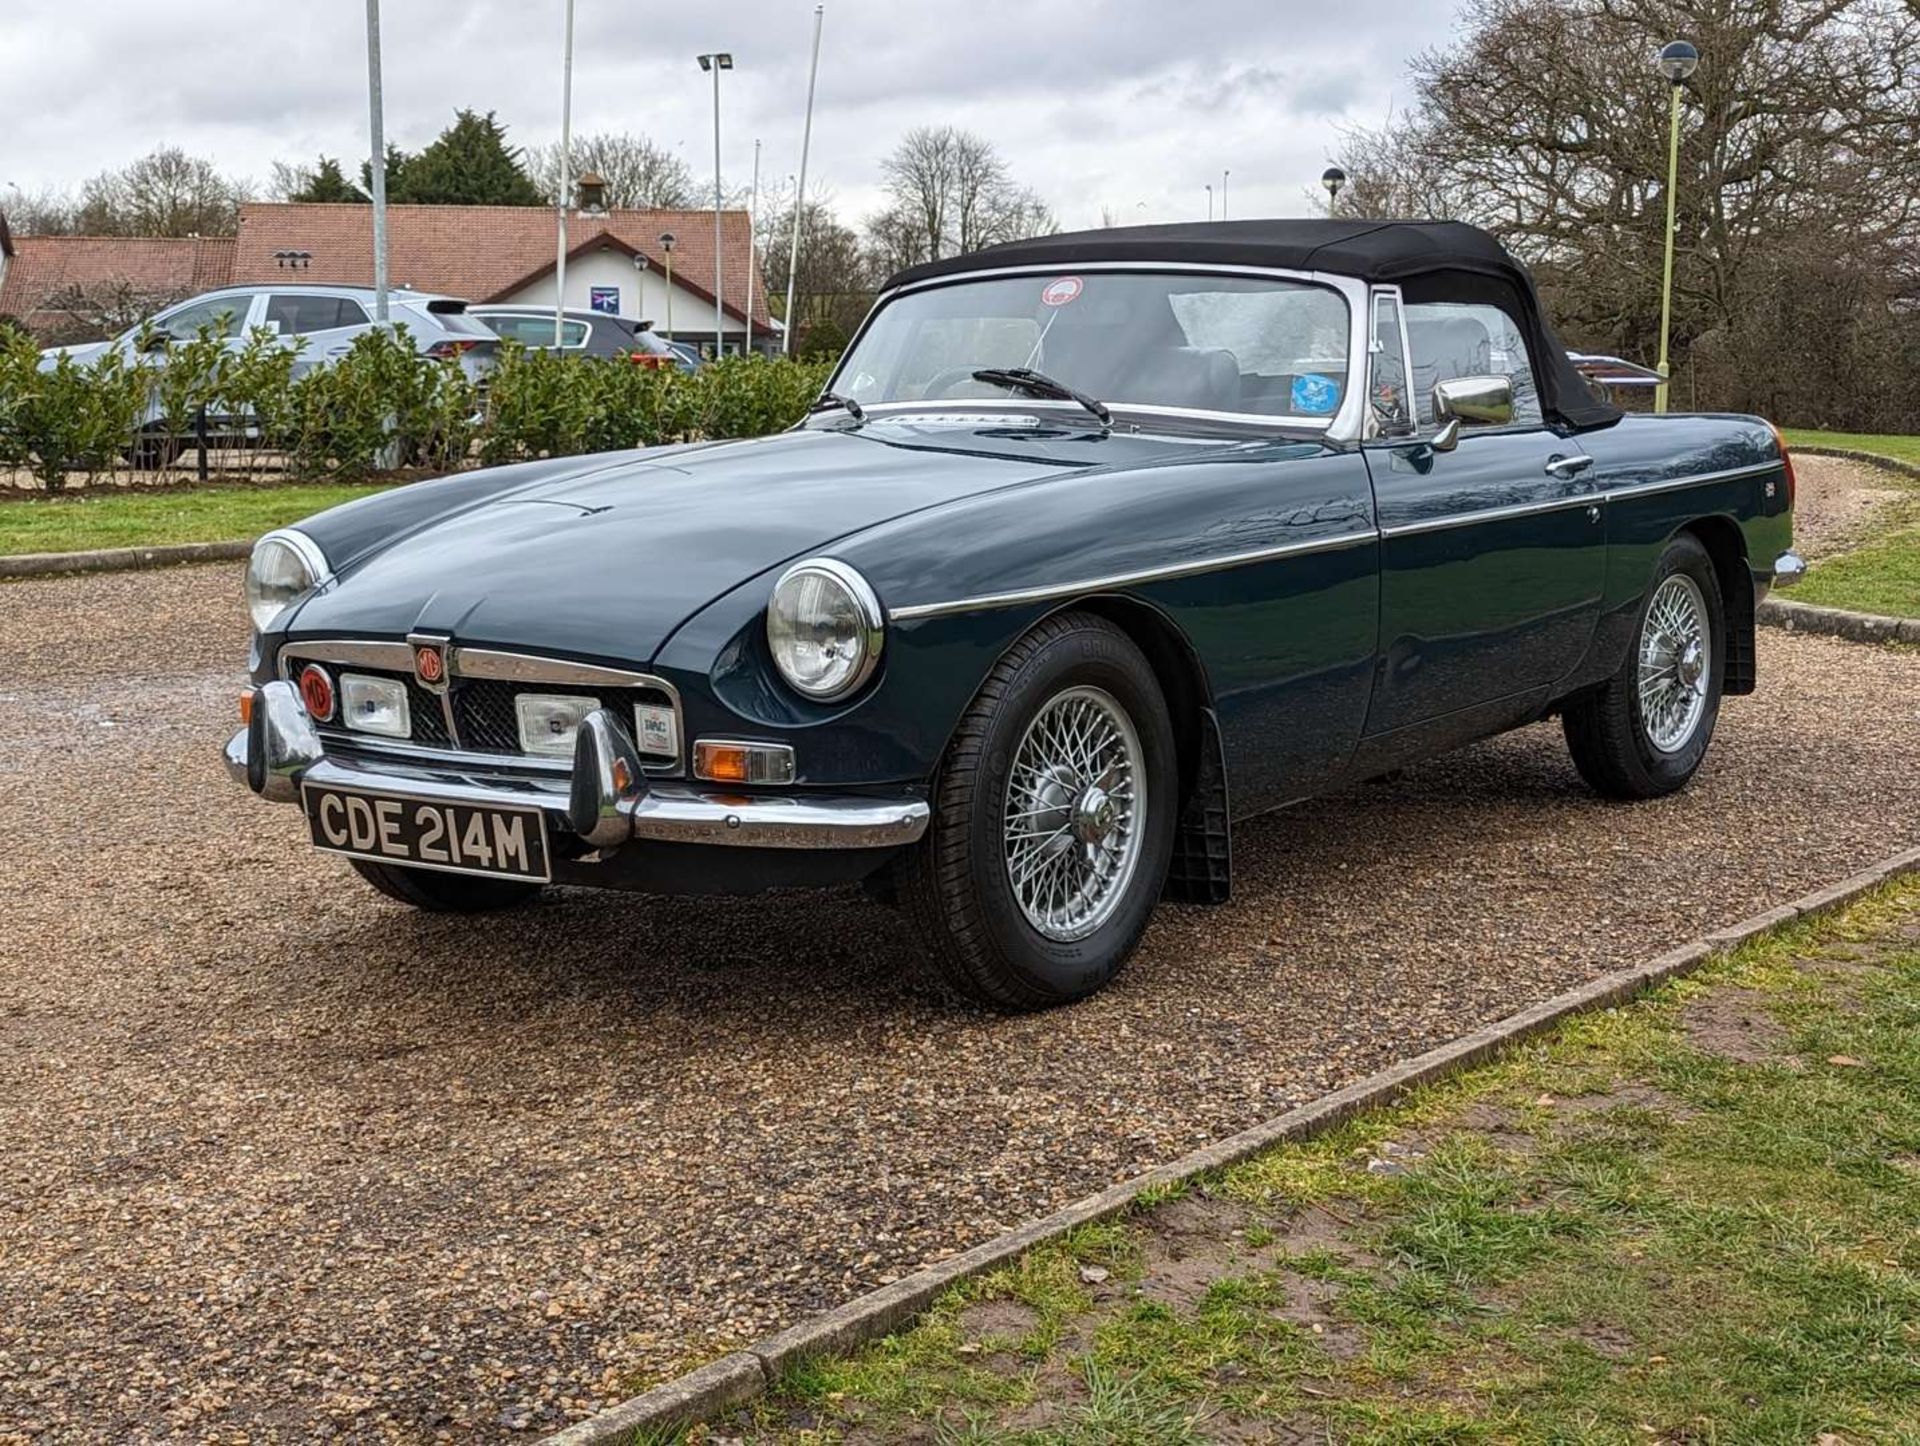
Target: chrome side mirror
x,y
1481,401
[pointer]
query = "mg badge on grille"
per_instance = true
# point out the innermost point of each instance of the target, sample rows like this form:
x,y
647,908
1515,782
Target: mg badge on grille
x,y
430,662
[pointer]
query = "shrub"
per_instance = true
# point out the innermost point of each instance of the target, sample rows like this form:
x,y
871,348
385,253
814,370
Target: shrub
x,y
70,417
380,406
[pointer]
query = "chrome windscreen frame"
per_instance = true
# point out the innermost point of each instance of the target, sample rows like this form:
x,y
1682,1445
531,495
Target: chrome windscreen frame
x,y
1346,426
495,664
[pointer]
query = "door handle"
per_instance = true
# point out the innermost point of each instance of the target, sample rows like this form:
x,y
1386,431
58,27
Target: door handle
x,y
1567,468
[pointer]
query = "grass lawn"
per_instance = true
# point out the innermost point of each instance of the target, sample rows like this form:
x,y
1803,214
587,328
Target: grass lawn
x,y
1694,1218
1904,449
148,519
1881,577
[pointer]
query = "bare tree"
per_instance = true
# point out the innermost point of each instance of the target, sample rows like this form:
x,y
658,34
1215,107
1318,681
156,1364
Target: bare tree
x,y
1800,154
45,212
165,193
834,285
638,173
950,192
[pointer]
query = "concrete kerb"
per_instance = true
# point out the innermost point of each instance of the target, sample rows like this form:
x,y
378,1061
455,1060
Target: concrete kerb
x,y
1798,617
121,559
744,1375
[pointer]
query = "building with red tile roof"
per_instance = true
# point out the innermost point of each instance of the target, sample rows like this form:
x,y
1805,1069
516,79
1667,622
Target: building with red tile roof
x,y
70,284
615,258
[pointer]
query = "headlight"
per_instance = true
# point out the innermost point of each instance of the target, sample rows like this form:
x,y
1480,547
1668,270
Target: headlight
x,y
825,628
284,565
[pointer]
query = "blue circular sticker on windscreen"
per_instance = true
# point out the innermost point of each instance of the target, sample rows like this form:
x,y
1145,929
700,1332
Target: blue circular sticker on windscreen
x,y
1315,395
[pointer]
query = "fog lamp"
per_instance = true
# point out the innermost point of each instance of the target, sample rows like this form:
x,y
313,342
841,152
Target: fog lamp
x,y
548,721
375,705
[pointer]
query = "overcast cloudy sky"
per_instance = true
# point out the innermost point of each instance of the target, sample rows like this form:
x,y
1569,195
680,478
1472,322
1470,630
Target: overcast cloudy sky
x,y
1128,105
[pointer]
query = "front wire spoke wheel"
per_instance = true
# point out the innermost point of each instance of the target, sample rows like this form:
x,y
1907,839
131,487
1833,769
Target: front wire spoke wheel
x,y
1075,817
1676,651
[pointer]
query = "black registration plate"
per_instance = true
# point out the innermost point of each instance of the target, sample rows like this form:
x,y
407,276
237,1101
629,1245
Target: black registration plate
x,y
462,838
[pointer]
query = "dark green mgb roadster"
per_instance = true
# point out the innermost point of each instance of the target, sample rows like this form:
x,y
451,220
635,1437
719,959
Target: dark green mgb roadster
x,y
1093,545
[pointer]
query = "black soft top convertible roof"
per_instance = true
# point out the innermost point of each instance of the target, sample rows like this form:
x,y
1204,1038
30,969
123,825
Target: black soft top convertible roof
x,y
1429,260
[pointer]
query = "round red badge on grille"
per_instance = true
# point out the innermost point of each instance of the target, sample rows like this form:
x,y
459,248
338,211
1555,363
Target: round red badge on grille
x,y
428,664
316,692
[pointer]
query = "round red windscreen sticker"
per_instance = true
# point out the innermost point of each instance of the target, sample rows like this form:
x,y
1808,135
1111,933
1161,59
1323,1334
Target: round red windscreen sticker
x,y
1059,293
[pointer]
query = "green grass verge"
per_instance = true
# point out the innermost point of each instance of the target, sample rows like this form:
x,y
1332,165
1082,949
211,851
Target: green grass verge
x,y
151,519
1904,449
1881,577
1693,1218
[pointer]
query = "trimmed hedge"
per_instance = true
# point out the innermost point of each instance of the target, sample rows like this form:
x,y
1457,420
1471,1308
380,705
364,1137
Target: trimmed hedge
x,y
381,406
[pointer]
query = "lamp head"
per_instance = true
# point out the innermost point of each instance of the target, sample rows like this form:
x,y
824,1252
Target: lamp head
x,y
667,238
1678,61
1333,178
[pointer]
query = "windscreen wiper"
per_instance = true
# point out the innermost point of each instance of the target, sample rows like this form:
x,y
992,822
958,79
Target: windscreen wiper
x,y
1039,384
846,404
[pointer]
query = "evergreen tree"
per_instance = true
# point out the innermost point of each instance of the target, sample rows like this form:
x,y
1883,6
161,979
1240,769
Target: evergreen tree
x,y
325,182
470,164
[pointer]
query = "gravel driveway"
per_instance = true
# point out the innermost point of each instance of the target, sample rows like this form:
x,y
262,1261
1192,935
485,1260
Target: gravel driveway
x,y
284,1160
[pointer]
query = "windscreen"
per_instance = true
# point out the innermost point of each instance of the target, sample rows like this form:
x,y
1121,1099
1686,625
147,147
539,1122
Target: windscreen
x,y
1237,344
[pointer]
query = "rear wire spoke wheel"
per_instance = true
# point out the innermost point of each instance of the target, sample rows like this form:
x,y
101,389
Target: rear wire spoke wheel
x,y
1645,730
1053,820
1074,813
1675,643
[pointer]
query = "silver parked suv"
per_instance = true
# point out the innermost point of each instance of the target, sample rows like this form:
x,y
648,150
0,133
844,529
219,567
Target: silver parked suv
x,y
324,321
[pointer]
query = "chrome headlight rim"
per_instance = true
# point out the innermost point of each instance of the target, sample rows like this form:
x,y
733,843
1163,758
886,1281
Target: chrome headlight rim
x,y
873,626
305,550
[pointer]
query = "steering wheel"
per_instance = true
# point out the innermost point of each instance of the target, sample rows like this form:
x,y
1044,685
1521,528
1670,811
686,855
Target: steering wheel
x,y
940,381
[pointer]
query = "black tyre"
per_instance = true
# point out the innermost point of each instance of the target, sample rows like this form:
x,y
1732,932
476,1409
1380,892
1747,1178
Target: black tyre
x,y
440,893
1053,821
1644,732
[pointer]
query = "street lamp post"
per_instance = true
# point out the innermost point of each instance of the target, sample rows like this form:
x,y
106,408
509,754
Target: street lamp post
x,y
1223,194
714,62
1678,61
666,244
377,163
1209,200
1333,178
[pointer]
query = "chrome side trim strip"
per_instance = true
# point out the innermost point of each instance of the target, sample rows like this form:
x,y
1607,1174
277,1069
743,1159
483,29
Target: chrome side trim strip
x,y
1668,484
1131,579
1491,514
1583,499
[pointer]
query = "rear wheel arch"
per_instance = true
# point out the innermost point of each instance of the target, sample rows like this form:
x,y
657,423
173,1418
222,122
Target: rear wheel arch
x,y
1726,545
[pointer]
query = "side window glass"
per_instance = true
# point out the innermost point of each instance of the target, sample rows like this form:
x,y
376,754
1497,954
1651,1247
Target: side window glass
x,y
1459,339
223,313
299,314
1387,373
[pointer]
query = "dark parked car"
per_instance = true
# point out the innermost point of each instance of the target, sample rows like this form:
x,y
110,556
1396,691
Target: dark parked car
x,y
582,333
1095,545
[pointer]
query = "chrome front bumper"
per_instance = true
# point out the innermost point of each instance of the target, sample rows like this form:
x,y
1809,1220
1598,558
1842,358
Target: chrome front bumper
x,y
608,801
1788,568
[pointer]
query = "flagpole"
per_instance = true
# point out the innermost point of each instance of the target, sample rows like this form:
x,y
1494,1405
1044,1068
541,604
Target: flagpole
x,y
753,209
800,191
566,181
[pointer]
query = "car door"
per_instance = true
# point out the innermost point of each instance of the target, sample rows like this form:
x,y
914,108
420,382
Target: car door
x,y
1493,554
324,326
